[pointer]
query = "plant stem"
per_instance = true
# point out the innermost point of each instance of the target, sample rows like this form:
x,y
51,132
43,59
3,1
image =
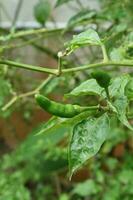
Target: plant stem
x,y
60,55
28,67
107,93
55,71
29,32
44,83
46,50
27,94
105,55
95,65
27,42
17,12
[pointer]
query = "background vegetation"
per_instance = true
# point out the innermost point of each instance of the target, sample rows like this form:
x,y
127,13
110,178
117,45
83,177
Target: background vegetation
x,y
34,151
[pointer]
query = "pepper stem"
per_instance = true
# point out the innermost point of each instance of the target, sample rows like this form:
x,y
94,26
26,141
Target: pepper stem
x,y
107,93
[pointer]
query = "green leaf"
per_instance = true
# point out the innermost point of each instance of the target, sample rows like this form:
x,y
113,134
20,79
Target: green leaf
x,y
49,124
61,2
81,17
87,138
42,11
57,123
88,37
89,87
117,90
47,135
86,188
121,104
118,84
129,51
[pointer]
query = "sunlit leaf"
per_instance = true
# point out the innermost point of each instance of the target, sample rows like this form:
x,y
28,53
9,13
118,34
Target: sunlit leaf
x,y
87,138
88,37
118,84
89,87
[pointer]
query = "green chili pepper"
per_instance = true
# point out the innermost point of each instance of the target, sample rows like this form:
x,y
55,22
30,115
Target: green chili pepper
x,y
103,79
61,110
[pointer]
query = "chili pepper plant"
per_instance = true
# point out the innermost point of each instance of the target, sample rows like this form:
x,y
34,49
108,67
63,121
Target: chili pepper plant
x,y
92,75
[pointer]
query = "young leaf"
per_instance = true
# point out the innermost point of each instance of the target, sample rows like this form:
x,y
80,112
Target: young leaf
x,y
87,138
89,87
49,124
121,104
42,11
81,17
88,37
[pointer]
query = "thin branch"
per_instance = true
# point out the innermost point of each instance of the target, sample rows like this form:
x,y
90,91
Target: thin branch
x,y
28,67
5,12
80,4
105,55
17,12
46,50
60,55
29,32
27,94
95,65
55,72
9,104
27,42
75,69
32,41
